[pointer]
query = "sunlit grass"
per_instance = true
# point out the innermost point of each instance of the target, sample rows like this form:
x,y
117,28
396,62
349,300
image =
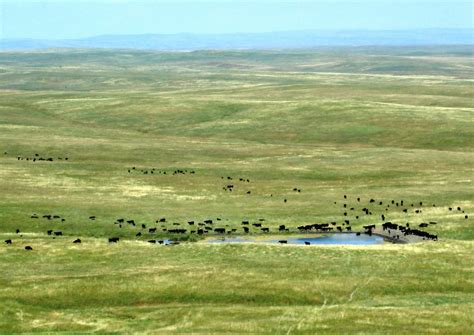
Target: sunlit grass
x,y
381,124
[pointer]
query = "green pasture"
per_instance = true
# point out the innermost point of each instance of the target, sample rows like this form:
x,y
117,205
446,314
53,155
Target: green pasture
x,y
374,123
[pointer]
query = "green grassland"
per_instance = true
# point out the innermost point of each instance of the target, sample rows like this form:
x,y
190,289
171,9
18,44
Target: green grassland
x,y
382,123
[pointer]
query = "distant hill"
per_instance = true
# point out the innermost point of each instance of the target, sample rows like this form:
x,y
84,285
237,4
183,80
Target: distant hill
x,y
274,40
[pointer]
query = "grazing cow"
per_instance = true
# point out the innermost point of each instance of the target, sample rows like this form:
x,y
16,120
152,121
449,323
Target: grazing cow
x,y
246,229
113,239
77,241
208,221
256,224
8,241
120,220
139,234
151,241
162,220
219,230
307,243
283,241
248,192
423,225
245,222
34,216
49,232
143,226
339,228
58,233
152,230
265,230
28,248
358,234
282,228
348,228
200,231
91,217
18,231
191,222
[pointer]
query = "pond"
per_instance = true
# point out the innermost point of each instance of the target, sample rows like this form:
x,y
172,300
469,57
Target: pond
x,y
332,239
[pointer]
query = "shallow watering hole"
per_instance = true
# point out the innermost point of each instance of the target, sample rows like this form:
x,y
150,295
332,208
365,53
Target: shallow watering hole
x,y
329,239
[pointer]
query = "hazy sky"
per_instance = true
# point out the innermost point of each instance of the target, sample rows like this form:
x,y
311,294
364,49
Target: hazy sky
x,y
75,18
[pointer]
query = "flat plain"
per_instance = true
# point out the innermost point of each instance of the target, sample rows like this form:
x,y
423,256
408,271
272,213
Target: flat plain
x,y
370,123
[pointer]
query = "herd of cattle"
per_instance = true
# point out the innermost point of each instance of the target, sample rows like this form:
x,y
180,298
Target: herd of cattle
x,y
350,214
37,157
353,212
158,171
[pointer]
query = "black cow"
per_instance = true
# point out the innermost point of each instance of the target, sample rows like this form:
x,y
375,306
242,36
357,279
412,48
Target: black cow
x,y
113,239
8,241
283,241
58,233
77,241
265,230
152,230
246,229
307,243
28,248
219,230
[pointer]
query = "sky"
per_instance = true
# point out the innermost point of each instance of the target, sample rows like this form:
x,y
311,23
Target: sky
x,y
69,19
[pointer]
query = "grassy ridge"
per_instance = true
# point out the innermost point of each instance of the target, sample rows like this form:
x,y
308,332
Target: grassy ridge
x,y
371,123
